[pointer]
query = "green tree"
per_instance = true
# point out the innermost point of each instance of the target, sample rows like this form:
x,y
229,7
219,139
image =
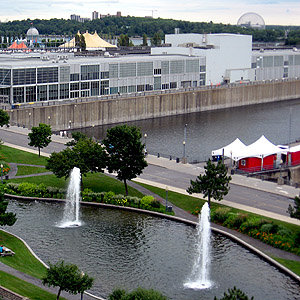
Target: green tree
x,y
82,43
295,211
4,117
67,277
139,293
234,294
145,40
6,218
86,154
156,40
213,184
40,136
125,150
77,135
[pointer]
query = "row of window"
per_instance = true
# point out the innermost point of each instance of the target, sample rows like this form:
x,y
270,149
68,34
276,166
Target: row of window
x,y
94,88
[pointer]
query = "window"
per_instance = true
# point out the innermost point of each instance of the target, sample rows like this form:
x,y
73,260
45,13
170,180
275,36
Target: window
x,y
74,95
243,162
202,68
5,76
45,75
64,91
123,89
24,76
128,70
104,87
95,88
113,90
90,72
64,74
157,71
144,69
85,85
41,93
113,71
165,86
192,66
140,88
85,94
177,67
18,95
157,83
165,67
74,77
74,86
132,89
53,91
173,85
104,75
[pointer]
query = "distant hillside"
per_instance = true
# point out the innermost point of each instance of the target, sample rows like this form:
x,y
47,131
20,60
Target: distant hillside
x,y
134,26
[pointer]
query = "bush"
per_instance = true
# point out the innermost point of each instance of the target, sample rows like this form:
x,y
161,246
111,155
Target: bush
x,y
146,202
252,223
235,220
220,214
295,211
297,239
234,294
269,228
138,294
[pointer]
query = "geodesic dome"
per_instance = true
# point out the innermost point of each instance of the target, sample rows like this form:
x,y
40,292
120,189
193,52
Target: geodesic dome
x,y
251,20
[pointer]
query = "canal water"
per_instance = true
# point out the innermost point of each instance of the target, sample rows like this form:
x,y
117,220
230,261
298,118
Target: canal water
x,y
128,250
206,131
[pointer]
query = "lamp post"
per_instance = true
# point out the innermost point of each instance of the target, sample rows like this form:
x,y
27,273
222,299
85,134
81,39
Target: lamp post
x,y
49,120
167,189
29,114
184,160
230,158
82,274
145,136
1,166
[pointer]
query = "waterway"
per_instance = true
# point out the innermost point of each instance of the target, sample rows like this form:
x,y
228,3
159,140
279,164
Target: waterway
x,y
127,250
206,131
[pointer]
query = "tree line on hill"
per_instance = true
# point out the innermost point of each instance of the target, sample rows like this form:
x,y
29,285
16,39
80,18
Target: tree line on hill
x,y
110,27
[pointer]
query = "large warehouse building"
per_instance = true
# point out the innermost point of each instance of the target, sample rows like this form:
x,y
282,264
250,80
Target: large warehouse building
x,y
190,60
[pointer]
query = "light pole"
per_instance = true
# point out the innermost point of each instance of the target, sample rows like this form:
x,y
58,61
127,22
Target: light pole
x,y
145,136
1,166
82,274
184,160
49,120
29,120
167,189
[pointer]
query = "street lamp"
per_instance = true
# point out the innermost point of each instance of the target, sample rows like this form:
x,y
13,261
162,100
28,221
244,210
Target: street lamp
x,y
184,160
145,136
1,166
49,120
29,114
167,189
70,122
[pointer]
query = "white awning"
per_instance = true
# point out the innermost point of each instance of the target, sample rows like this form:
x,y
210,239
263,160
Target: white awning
x,y
230,150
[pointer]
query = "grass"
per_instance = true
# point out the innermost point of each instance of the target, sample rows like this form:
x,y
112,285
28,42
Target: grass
x,y
23,260
24,288
293,265
22,157
28,170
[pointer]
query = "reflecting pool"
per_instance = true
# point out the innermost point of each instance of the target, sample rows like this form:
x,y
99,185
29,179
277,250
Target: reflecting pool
x,y
127,250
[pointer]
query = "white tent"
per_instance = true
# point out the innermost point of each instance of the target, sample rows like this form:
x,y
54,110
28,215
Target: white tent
x,y
260,148
230,150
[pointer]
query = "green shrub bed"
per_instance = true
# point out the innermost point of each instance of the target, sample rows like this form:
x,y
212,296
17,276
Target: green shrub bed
x,y
265,230
42,191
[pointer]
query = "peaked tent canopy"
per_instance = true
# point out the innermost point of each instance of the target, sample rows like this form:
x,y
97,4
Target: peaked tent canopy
x,y
93,42
15,45
260,148
230,150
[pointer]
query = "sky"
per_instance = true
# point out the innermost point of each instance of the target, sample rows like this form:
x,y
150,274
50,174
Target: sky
x,y
274,12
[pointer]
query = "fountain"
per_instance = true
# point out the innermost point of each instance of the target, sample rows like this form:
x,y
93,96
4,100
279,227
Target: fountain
x,y
71,211
199,278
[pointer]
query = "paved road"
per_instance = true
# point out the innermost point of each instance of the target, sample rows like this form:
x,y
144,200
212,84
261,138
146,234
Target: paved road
x,y
165,173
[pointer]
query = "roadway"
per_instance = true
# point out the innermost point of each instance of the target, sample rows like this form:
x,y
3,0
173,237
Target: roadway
x,y
244,192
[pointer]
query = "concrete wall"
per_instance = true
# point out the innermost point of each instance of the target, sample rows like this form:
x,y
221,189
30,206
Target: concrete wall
x,y
77,115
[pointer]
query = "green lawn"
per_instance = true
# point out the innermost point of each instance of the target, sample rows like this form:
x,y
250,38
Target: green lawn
x,y
23,260
24,288
21,157
290,264
28,170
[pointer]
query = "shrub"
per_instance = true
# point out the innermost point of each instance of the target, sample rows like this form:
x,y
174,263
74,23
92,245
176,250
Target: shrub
x,y
220,214
269,228
295,211
252,223
109,198
234,294
297,239
235,220
146,202
137,294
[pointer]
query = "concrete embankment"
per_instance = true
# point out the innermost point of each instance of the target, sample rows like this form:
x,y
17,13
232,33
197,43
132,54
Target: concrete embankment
x,y
116,109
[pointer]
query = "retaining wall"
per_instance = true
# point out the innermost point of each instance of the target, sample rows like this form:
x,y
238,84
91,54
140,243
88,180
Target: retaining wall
x,y
124,109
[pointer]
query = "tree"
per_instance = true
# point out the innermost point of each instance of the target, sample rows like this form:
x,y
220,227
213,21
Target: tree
x,y
67,277
40,136
139,293
145,40
156,40
77,135
125,150
214,183
234,294
295,211
4,117
86,154
6,218
82,43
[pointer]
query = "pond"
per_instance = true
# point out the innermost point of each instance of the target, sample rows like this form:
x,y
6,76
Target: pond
x,y
130,250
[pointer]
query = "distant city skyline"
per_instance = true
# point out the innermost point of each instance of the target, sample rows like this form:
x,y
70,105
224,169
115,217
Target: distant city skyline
x,y
274,12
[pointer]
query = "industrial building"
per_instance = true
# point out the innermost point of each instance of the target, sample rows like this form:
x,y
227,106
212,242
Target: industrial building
x,y
187,61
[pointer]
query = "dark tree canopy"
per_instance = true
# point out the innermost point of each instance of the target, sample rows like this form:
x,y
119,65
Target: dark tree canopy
x,y
125,150
6,218
86,154
4,118
213,184
40,136
234,294
294,212
67,277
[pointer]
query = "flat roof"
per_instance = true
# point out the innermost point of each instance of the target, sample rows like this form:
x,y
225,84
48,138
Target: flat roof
x,y
8,60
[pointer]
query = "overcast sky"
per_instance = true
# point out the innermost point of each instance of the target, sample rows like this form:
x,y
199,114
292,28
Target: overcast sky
x,y
274,12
